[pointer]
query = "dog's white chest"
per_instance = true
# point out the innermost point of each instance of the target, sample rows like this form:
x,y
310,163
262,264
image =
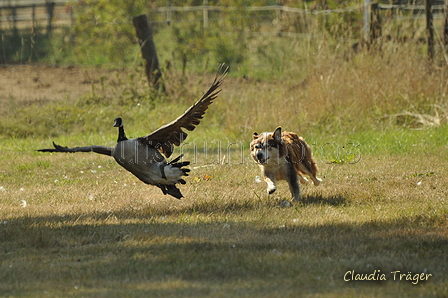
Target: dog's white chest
x,y
276,167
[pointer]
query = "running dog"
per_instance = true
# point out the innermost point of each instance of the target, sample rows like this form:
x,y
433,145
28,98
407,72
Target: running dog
x,y
283,156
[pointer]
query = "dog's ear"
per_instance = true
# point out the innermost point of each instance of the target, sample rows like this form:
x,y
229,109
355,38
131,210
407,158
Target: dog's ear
x,y
255,135
278,134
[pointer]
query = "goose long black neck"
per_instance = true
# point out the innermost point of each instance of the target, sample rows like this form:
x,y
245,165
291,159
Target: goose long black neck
x,y
121,135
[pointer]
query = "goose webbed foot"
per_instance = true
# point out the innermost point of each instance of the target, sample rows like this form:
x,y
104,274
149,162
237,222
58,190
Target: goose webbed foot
x,y
179,165
176,164
171,190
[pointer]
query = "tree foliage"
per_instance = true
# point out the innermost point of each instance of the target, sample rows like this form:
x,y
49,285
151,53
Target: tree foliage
x,y
103,29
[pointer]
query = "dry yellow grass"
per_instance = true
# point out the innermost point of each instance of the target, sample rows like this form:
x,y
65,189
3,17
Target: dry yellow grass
x,y
101,232
91,229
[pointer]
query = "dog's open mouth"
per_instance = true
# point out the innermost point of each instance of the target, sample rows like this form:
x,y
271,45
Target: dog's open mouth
x,y
262,160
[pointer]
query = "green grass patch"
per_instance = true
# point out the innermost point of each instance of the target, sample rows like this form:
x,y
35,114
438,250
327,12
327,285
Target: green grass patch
x,y
90,228
226,238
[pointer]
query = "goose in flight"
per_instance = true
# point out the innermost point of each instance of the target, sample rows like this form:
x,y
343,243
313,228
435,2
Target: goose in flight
x,y
145,157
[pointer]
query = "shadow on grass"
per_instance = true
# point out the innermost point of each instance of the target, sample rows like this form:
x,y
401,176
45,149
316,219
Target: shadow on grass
x,y
233,258
232,206
336,200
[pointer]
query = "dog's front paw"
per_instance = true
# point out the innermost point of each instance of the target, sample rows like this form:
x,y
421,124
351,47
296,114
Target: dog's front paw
x,y
271,190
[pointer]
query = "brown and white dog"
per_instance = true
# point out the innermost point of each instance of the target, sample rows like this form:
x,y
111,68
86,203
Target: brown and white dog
x,y
283,156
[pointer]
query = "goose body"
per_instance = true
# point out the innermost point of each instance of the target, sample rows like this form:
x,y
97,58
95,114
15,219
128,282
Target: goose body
x,y
145,157
147,163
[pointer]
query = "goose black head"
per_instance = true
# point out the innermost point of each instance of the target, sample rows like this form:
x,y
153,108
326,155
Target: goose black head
x,y
118,122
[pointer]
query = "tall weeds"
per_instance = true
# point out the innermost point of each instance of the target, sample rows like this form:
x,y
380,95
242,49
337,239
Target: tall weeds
x,y
317,84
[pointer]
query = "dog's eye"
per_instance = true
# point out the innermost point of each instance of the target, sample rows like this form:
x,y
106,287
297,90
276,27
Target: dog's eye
x,y
272,145
258,146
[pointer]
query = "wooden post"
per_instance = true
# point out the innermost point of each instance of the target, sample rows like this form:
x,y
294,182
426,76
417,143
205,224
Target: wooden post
x,y
1,17
14,21
33,31
445,28
33,19
50,12
305,17
168,13
375,22
366,21
430,29
148,50
72,17
205,13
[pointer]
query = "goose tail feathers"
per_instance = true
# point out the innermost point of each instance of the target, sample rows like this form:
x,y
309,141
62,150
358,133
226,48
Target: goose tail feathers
x,y
171,190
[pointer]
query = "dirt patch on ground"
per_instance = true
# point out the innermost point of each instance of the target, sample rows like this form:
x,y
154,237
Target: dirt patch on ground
x,y
24,84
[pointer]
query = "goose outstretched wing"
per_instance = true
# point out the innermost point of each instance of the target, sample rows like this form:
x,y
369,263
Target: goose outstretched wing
x,y
93,148
172,134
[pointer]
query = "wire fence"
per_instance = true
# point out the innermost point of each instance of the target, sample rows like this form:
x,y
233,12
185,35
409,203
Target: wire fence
x,y
30,13
21,18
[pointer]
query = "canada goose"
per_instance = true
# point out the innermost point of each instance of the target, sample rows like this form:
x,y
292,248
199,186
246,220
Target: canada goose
x,y
145,157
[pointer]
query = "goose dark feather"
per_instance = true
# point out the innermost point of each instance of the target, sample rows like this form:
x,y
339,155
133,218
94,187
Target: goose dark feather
x,y
94,148
171,134
152,168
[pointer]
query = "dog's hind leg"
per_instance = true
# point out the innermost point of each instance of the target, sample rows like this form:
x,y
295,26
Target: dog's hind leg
x,y
304,170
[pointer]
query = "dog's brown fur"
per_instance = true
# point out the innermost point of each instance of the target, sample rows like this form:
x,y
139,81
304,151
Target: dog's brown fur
x,y
283,156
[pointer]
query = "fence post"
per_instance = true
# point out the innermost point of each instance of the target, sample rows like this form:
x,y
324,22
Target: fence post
x,y
168,13
445,28
1,15
205,13
50,12
14,20
430,29
148,50
33,18
375,22
366,21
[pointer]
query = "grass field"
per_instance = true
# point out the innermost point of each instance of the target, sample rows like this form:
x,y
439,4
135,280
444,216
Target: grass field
x,y
78,225
90,229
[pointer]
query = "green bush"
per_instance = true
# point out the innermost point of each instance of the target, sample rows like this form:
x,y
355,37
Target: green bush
x,y
103,30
